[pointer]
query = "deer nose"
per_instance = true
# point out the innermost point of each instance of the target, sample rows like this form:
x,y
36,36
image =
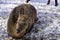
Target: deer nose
x,y
18,31
20,27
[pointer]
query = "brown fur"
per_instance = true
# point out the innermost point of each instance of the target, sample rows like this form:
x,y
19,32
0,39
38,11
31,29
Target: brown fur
x,y
22,18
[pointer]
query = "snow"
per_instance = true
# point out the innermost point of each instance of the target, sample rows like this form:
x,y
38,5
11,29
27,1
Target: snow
x,y
47,26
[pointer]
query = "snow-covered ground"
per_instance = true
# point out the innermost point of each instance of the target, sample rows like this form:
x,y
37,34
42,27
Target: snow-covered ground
x,y
47,26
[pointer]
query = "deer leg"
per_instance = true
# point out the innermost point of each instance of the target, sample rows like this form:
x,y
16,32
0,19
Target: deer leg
x,y
56,3
48,2
27,1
